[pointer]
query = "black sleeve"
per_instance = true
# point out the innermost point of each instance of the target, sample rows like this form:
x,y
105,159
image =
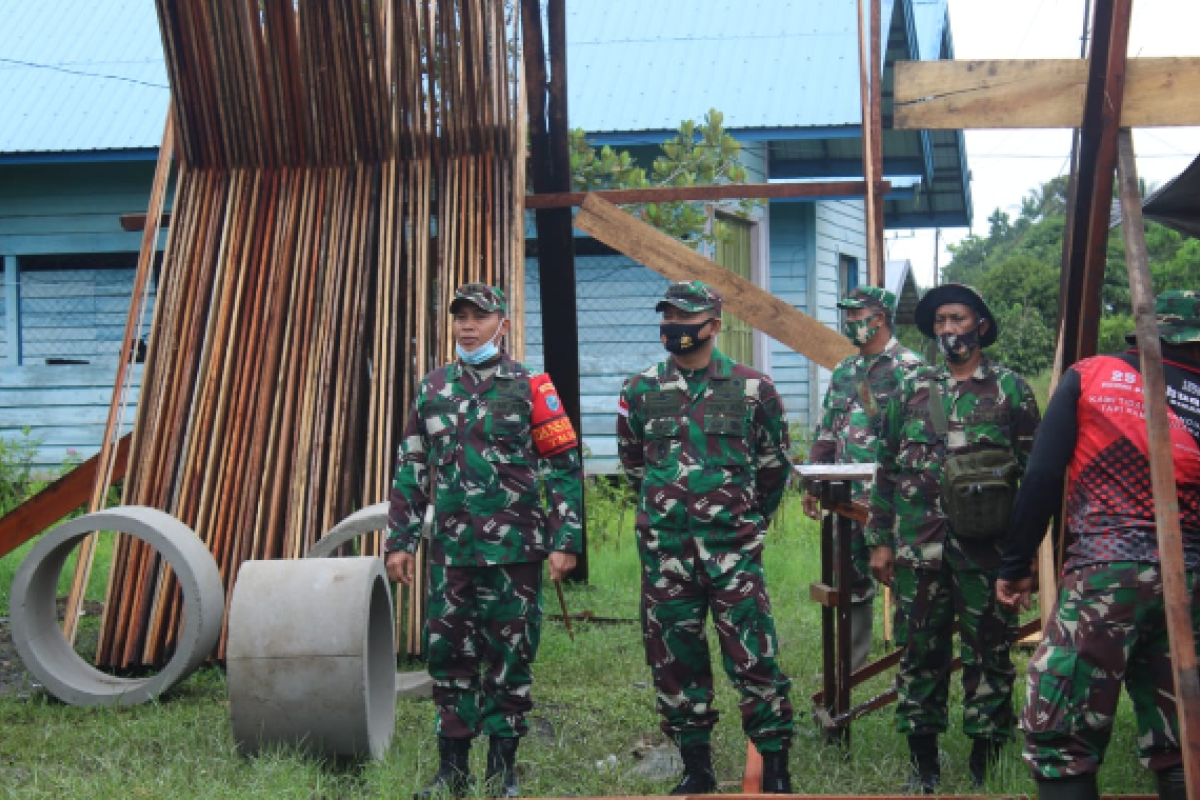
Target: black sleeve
x,y
1040,496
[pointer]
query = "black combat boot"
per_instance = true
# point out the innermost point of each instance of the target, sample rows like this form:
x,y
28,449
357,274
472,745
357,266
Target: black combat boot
x,y
984,754
698,777
502,766
453,778
1081,787
775,776
1171,785
923,756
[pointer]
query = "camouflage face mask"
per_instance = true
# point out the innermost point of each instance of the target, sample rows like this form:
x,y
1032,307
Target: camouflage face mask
x,y
858,331
958,347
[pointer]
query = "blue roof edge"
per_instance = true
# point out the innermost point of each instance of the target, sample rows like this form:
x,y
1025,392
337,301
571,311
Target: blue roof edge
x,y
80,156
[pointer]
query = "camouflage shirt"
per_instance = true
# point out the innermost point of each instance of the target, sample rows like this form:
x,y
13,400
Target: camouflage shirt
x,y
994,408
707,456
858,394
481,436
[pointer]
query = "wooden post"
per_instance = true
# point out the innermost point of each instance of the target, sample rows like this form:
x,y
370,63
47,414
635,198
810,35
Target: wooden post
x,y
550,166
1162,470
868,86
12,310
1084,259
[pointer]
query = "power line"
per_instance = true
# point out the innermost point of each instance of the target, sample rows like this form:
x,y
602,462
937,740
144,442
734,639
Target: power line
x,y
83,73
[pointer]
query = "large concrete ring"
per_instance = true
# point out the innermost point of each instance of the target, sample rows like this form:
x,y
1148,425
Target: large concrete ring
x,y
310,657
53,661
365,520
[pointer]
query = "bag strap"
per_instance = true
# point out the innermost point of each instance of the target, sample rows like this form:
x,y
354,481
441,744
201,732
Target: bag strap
x,y
937,413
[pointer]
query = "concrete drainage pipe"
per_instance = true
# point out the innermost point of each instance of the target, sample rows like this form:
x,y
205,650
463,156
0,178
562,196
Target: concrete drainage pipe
x,y
54,662
310,657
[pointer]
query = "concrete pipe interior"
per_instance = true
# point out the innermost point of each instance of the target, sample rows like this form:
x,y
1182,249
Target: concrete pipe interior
x,y
52,660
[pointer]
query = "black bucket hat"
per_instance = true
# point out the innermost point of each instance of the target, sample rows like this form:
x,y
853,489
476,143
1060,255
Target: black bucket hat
x,y
939,296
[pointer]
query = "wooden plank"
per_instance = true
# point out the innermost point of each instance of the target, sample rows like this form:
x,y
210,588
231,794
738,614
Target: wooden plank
x,y
728,191
136,222
1041,93
677,261
823,595
56,501
1162,470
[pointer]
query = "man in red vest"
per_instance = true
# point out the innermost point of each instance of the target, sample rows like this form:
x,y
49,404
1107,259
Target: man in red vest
x,y
1109,626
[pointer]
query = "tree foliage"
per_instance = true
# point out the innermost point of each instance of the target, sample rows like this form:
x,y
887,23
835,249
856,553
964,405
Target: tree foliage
x,y
1017,266
700,154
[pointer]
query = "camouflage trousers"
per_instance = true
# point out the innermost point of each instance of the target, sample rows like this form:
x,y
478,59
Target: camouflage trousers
x,y
677,596
481,639
927,603
1109,628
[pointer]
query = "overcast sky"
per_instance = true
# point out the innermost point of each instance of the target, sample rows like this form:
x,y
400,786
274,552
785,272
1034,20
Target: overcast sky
x,y
1005,164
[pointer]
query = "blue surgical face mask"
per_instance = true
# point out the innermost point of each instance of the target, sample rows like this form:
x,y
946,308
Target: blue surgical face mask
x,y
482,354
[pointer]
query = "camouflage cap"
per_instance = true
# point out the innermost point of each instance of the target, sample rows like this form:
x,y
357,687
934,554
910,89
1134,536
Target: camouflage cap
x,y
869,297
947,293
489,298
1178,315
690,296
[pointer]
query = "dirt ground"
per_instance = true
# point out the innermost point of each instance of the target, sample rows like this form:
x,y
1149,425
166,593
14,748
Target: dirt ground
x,y
15,681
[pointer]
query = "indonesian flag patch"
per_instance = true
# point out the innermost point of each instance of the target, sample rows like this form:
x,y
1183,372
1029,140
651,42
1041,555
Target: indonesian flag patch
x,y
552,430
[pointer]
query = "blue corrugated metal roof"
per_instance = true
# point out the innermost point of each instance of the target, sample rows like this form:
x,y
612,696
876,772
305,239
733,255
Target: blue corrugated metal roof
x,y
80,75
930,21
639,66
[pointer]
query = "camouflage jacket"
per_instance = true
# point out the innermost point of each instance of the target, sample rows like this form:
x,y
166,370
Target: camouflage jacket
x,y
858,394
994,408
484,440
709,467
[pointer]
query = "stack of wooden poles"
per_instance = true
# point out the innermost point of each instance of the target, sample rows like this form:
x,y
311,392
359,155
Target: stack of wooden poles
x,y
343,166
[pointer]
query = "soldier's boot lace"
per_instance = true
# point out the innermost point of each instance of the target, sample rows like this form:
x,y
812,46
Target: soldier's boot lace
x,y
984,754
1171,785
502,766
923,757
1079,787
698,776
453,778
775,776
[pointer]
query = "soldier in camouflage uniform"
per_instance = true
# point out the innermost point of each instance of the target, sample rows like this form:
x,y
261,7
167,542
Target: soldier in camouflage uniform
x,y
473,443
1109,626
940,573
859,391
703,440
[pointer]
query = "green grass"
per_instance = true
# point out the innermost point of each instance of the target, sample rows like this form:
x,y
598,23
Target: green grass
x,y
593,699
97,581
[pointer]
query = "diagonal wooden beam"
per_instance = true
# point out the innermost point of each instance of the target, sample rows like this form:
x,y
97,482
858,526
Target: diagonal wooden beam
x,y
1047,93
724,191
56,501
667,256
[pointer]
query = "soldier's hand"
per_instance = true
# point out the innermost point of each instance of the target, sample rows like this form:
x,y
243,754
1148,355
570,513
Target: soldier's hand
x,y
1014,595
561,565
883,564
812,507
401,567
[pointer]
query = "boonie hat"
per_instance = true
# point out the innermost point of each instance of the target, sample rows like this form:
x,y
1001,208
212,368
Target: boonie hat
x,y
969,296
869,297
489,298
1178,315
690,296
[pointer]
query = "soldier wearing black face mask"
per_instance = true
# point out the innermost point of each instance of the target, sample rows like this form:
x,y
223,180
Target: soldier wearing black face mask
x,y
703,440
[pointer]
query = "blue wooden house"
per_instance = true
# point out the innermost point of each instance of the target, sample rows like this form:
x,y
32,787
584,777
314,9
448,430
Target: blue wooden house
x,y
84,97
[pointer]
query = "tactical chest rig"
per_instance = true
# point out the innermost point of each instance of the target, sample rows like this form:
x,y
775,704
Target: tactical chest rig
x,y
724,415
978,489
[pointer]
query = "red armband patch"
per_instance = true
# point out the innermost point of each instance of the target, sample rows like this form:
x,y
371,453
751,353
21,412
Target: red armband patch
x,y
552,430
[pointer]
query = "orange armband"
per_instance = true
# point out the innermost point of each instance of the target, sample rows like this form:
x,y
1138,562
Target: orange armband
x,y
552,429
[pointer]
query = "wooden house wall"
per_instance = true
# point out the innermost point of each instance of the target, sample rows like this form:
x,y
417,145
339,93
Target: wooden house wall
x,y
60,230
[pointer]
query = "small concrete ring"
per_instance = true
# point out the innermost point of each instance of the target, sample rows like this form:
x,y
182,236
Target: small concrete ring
x,y
52,660
365,520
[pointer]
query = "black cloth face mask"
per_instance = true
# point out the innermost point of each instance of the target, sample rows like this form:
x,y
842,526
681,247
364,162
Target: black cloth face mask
x,y
682,337
958,347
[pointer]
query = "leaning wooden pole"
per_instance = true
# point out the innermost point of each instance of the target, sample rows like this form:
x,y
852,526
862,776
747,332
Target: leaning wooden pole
x,y
871,151
106,460
1162,471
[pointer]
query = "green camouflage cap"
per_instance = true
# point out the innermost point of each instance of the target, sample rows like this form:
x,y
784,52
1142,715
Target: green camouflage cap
x,y
1178,315
489,298
869,297
690,296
